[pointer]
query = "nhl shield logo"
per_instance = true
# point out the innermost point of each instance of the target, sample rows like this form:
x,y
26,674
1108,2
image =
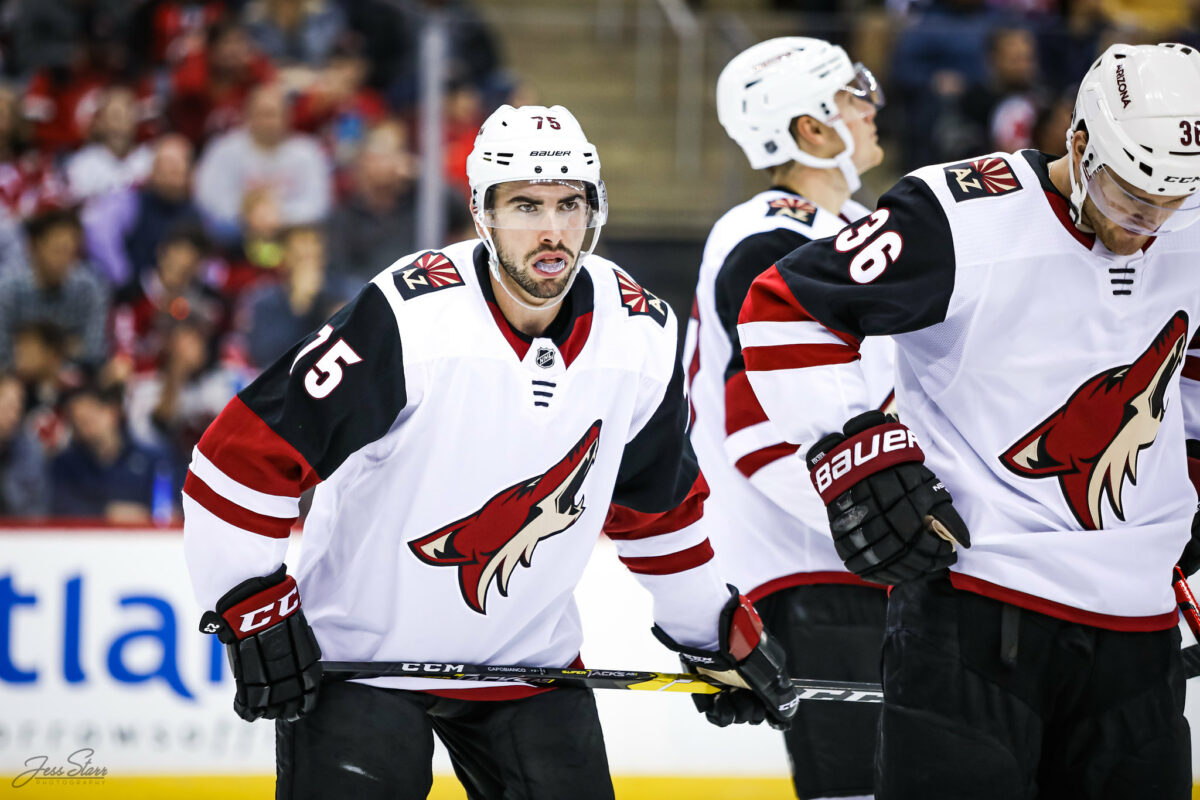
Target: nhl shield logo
x,y
638,301
983,177
544,358
793,207
429,273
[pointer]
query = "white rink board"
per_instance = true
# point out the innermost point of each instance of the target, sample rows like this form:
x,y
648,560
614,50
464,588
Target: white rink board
x,y
99,648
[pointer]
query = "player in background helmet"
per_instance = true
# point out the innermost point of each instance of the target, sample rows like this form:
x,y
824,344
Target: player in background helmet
x,y
805,116
471,422
1030,505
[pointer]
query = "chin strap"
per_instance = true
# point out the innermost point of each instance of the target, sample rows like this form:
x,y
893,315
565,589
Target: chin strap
x,y
843,161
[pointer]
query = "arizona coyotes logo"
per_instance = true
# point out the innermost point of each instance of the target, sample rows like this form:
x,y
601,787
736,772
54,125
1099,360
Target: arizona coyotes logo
x,y
430,272
981,178
1091,444
491,542
793,207
638,301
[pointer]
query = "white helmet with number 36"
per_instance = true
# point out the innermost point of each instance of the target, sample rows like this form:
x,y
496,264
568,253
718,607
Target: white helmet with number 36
x,y
768,85
1140,105
535,143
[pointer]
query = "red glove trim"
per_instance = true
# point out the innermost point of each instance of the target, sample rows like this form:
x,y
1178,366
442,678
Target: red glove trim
x,y
745,630
861,456
260,611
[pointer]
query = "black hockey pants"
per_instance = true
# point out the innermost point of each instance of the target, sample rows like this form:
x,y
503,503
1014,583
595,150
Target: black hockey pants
x,y
986,701
366,743
832,632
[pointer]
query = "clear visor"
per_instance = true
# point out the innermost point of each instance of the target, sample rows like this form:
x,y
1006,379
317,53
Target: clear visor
x,y
543,205
1137,215
865,87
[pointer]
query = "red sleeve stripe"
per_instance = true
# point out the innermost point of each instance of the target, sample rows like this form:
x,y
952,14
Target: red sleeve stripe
x,y
235,515
670,563
1191,368
742,408
269,504
796,356
753,462
770,300
242,446
625,523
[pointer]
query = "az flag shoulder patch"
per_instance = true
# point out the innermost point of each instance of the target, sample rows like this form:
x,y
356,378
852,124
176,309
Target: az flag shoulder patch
x,y
637,300
983,177
429,273
793,207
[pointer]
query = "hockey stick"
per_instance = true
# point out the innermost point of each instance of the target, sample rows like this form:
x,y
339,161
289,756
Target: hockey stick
x,y
844,692
1187,607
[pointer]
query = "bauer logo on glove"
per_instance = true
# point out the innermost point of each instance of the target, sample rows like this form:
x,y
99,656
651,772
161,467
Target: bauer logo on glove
x,y
891,518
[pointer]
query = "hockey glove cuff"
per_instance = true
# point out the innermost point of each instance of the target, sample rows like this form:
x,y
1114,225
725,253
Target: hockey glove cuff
x,y
891,518
747,660
272,651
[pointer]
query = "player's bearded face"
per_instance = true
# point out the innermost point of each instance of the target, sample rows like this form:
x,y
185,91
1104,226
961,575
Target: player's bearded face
x,y
540,228
529,270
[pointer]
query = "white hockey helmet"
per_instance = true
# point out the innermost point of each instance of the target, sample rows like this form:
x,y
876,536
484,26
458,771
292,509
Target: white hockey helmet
x,y
535,143
1141,108
768,85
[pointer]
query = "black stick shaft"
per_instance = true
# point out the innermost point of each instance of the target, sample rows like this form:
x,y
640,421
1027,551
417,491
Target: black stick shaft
x,y
644,680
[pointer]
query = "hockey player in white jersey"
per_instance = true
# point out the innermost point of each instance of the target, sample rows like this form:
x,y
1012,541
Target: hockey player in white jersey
x,y
471,421
805,115
1042,312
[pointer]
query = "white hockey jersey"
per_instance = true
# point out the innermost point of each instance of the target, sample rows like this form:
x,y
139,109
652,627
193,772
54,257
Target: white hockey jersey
x,y
465,472
767,524
1040,372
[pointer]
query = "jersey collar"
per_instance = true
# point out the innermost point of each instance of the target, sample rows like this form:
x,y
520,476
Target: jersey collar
x,y
570,329
1040,162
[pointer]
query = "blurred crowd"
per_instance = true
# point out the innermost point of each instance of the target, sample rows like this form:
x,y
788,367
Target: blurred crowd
x,y
967,77
186,190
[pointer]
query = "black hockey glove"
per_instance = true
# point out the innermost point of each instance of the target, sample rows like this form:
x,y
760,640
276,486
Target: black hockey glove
x,y
890,516
748,660
272,651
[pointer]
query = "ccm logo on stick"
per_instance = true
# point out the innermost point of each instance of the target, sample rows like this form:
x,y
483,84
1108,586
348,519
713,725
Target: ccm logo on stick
x,y
862,452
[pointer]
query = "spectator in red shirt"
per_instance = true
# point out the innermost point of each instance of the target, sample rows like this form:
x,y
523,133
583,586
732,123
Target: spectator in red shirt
x,y
28,177
145,311
209,88
162,32
339,108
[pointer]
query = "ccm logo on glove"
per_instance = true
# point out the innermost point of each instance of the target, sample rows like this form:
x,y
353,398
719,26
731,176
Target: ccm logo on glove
x,y
251,615
870,451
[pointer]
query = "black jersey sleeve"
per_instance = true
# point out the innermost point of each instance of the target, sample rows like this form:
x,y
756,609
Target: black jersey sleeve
x,y
660,492
891,272
659,467
339,389
745,262
331,394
